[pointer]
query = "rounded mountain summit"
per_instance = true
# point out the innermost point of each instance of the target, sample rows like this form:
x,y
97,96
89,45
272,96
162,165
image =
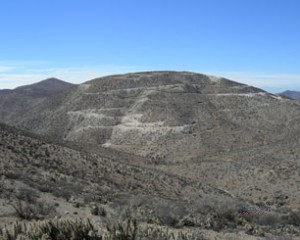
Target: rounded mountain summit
x,y
166,116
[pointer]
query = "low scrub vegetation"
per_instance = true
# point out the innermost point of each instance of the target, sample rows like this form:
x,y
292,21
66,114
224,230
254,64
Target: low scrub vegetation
x,y
37,210
79,230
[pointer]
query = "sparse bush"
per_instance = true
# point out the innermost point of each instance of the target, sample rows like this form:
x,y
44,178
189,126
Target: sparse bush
x,y
38,210
163,233
212,213
170,214
27,195
125,230
78,230
52,230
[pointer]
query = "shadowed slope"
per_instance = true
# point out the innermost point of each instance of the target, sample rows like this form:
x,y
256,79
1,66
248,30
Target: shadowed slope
x,y
14,103
291,94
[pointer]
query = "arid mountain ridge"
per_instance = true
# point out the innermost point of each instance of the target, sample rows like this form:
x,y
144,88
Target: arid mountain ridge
x,y
19,100
43,88
154,113
291,94
179,136
175,120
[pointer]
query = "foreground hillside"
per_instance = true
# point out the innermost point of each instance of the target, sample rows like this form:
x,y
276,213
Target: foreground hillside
x,y
46,180
60,169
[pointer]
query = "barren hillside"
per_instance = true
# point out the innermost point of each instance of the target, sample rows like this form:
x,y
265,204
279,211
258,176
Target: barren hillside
x,y
196,145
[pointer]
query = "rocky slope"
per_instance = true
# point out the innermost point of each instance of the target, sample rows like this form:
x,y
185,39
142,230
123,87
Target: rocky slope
x,y
61,172
27,157
167,116
41,179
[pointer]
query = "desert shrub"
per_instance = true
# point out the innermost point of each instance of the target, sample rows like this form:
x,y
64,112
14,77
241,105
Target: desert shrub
x,y
52,230
63,193
66,189
123,230
163,233
170,213
27,195
151,210
41,185
28,211
213,213
78,230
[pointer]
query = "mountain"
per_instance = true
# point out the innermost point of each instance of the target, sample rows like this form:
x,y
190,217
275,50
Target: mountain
x,y
43,88
291,94
22,98
181,121
168,116
179,149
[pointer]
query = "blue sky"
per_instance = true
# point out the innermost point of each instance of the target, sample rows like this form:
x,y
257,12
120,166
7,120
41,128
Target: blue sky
x,y
251,41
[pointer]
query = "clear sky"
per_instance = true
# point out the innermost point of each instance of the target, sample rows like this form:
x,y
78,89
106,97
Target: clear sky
x,y
251,41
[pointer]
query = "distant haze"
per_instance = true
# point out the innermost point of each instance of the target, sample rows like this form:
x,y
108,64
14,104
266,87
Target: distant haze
x,y
10,80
